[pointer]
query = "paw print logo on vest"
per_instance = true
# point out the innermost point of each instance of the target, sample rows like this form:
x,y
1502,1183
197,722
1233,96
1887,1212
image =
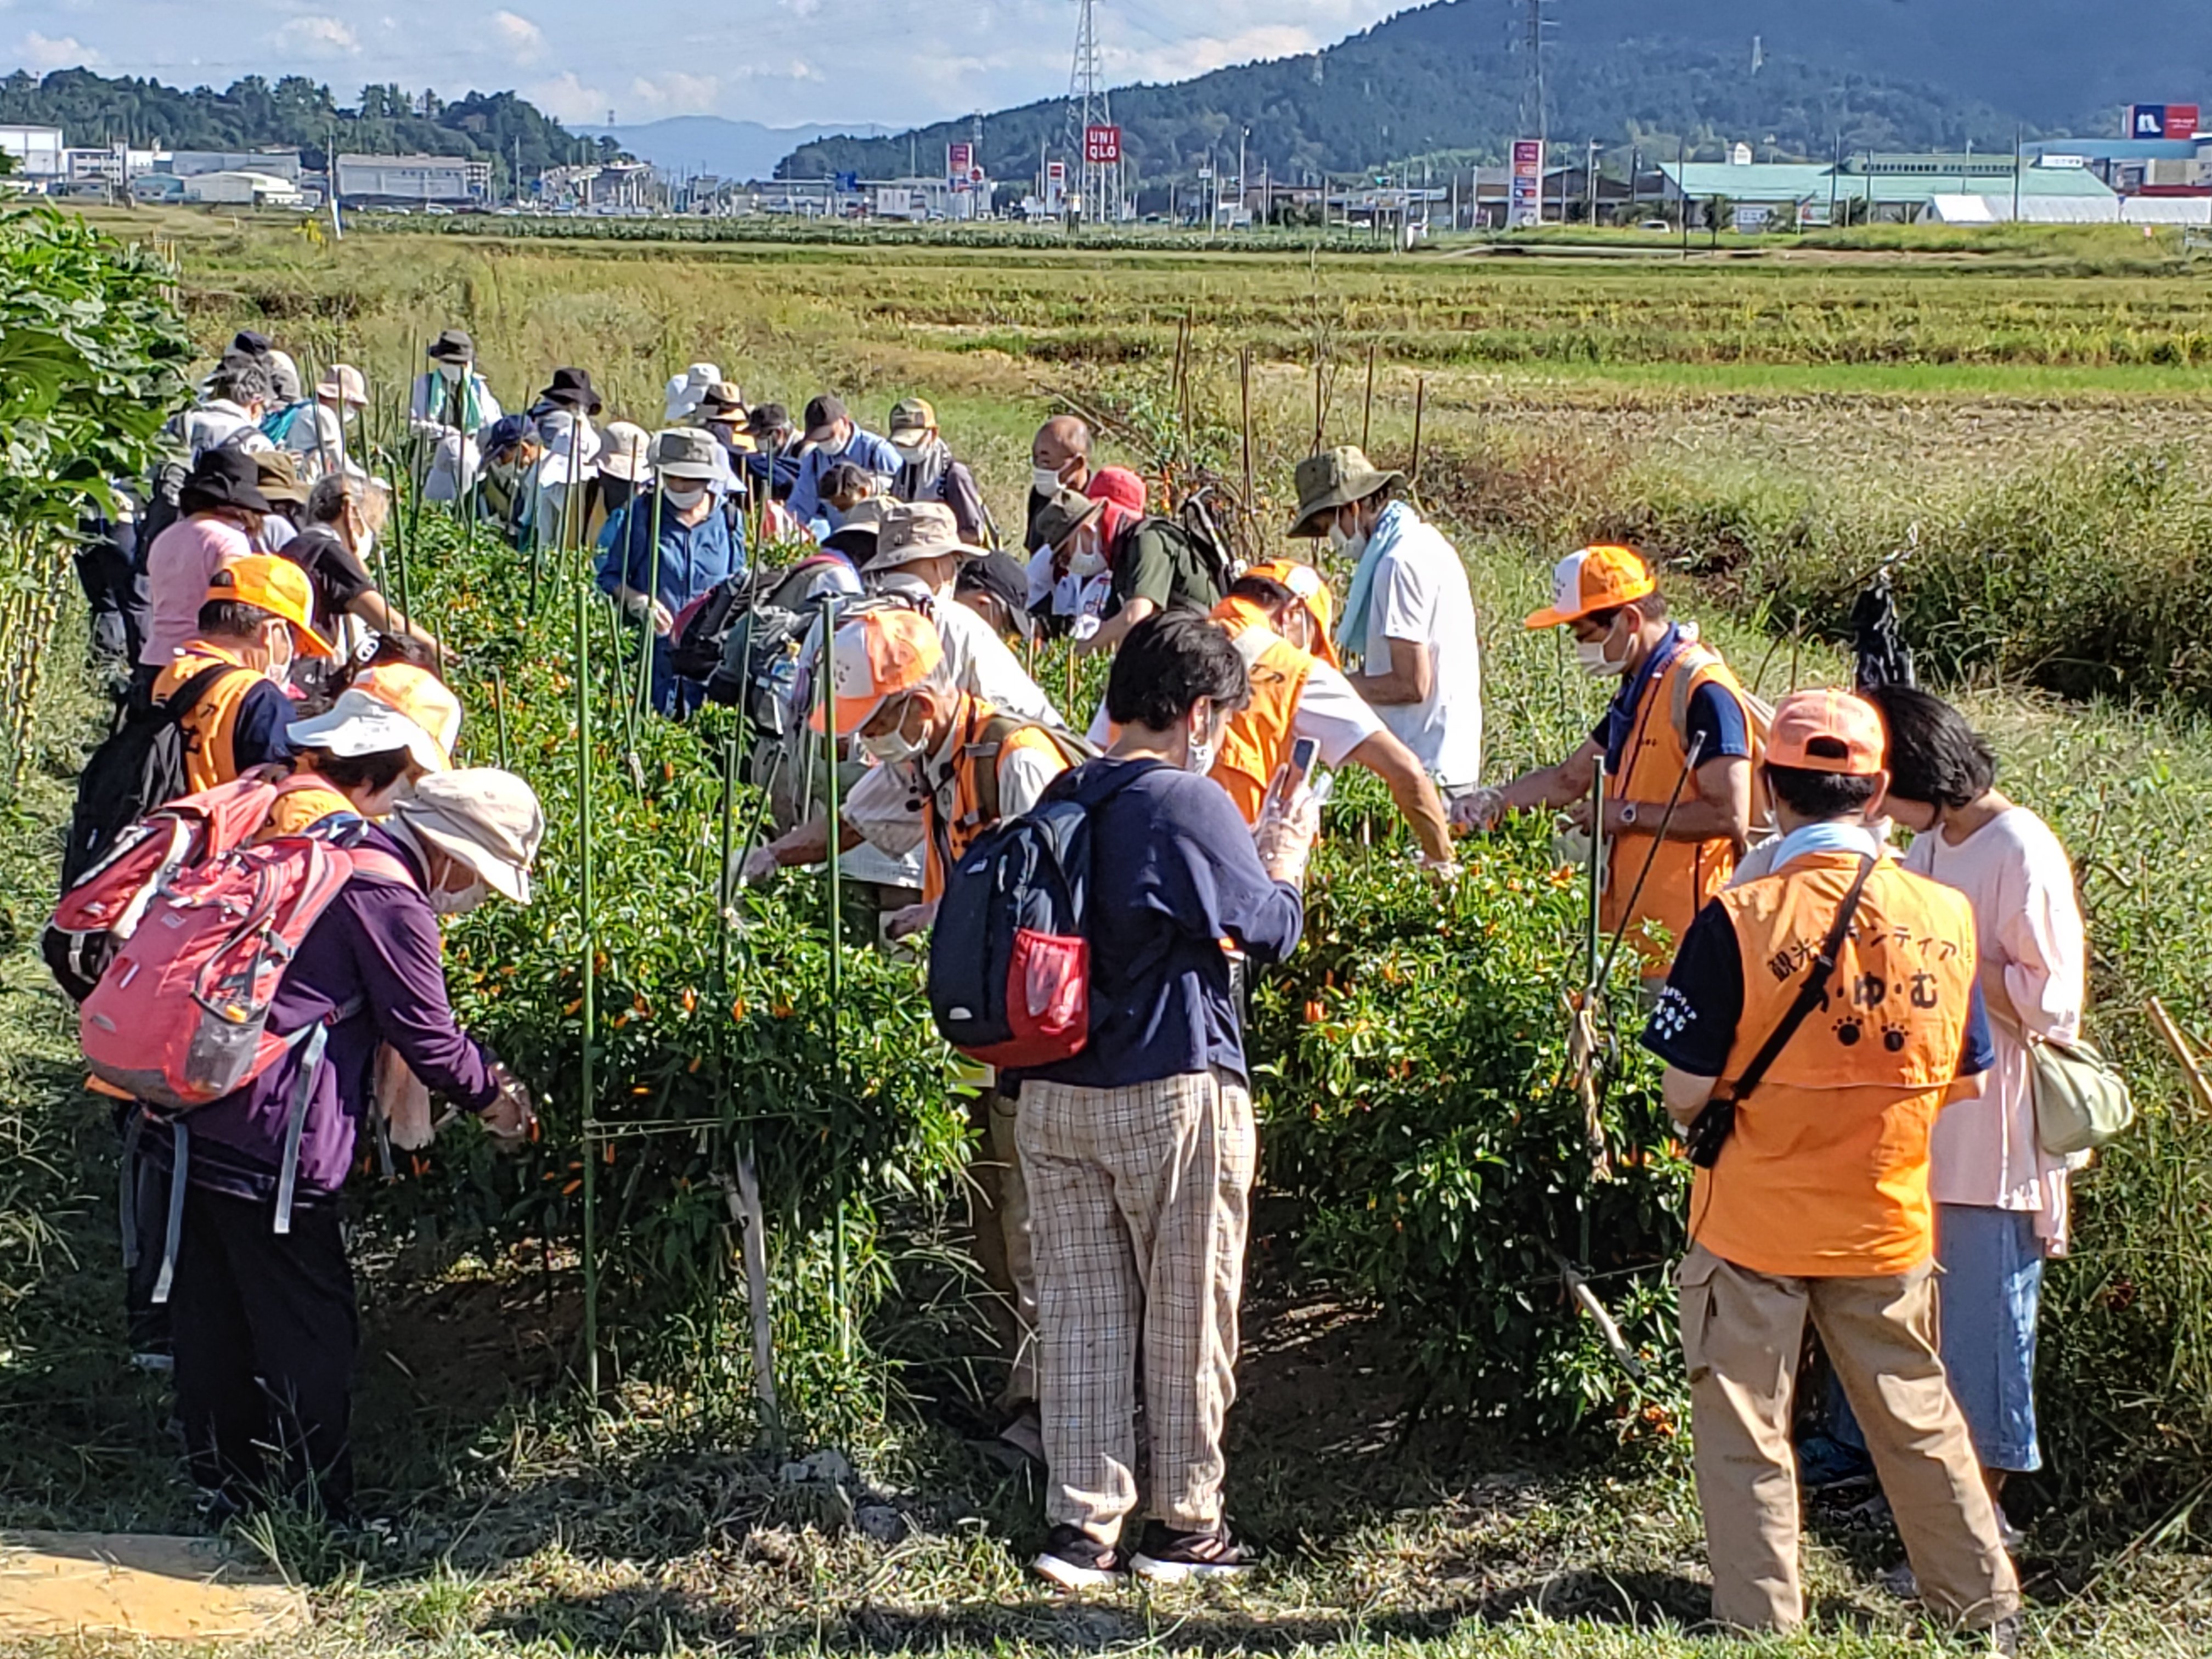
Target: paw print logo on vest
x,y
1849,1030
1893,1037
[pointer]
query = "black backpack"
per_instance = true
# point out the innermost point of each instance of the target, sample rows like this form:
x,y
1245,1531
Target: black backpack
x,y
1193,526
701,643
139,768
1009,954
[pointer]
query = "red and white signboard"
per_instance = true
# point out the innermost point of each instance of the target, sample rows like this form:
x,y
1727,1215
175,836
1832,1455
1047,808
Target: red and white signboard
x,y
1102,145
2162,120
1055,187
959,165
1525,203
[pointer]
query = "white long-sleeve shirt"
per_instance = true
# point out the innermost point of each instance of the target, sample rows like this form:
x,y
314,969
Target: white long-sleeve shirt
x,y
2029,931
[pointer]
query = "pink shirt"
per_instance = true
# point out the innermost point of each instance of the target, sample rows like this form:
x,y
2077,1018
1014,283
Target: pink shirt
x,y
178,566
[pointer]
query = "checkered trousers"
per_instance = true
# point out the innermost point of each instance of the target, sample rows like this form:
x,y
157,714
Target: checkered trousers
x,y
1139,1207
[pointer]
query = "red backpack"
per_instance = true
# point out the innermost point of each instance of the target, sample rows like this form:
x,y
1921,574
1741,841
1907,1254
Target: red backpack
x,y
199,929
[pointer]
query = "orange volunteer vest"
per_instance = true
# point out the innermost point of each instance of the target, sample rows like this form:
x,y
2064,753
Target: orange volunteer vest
x,y
1685,874
1257,738
950,834
210,726
1826,1175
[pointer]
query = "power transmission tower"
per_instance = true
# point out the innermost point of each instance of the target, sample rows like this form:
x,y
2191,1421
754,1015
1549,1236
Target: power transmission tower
x,y
1089,106
1536,22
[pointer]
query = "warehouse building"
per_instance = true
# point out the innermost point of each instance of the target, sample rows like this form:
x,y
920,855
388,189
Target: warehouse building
x,y
1896,187
412,180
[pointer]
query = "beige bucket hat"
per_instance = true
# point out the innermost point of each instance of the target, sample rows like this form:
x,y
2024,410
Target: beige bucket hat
x,y
487,819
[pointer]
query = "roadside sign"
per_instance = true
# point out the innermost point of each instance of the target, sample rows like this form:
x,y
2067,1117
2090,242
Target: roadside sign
x,y
1101,146
1525,205
2162,120
959,164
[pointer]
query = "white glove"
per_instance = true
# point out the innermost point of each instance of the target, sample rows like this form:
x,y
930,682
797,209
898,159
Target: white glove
x,y
1085,627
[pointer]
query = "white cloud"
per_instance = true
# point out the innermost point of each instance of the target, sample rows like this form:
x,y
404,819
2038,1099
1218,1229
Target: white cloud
x,y
565,98
676,93
37,53
800,8
318,37
1203,53
525,40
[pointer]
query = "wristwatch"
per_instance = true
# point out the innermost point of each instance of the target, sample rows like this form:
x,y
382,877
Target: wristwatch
x,y
1628,815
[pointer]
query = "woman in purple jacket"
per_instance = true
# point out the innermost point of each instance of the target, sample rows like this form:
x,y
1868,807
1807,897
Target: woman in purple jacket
x,y
261,1295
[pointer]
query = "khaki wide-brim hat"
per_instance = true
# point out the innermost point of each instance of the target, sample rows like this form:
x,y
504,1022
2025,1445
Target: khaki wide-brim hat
x,y
1334,478
487,819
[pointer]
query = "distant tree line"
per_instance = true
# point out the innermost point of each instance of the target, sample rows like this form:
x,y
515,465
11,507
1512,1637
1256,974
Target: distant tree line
x,y
253,113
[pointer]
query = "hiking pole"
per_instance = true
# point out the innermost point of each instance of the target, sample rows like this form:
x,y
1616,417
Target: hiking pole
x,y
1578,1286
1584,1046
1666,818
590,985
826,666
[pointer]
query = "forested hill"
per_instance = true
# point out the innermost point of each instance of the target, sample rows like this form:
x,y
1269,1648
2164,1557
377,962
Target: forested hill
x,y
93,109
1450,77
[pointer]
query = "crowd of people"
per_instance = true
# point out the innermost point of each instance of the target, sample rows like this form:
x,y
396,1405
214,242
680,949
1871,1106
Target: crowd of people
x,y
1846,1032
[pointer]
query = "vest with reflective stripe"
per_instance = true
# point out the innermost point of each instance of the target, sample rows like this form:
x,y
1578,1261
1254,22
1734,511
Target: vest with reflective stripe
x,y
952,830
211,727
1685,874
1257,738
1826,1174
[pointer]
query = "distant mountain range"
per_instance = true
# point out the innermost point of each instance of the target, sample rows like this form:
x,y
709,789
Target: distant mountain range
x,y
1454,78
733,149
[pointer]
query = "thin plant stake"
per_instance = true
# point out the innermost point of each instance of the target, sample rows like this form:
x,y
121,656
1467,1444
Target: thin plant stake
x,y
840,1263
1367,409
589,1011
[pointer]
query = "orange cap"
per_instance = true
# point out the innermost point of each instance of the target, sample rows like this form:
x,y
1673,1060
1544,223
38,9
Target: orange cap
x,y
1597,578
1826,731
419,695
274,585
877,656
1306,582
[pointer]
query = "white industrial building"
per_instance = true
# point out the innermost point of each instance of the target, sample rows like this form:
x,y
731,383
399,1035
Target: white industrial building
x,y
190,163
39,152
240,189
403,180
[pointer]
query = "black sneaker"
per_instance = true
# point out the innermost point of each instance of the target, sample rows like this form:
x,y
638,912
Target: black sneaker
x,y
1167,1557
1074,1560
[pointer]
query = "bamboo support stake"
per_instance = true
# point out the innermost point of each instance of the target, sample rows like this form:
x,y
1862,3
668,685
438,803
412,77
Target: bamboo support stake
x,y
1367,410
840,1264
2192,1065
589,1011
1420,400
1244,395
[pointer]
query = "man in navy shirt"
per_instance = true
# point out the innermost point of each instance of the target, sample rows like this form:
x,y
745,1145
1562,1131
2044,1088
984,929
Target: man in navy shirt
x,y
831,437
698,547
1139,1151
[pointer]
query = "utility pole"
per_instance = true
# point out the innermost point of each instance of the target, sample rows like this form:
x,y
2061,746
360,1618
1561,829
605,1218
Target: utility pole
x,y
2016,173
1589,182
1087,105
1243,133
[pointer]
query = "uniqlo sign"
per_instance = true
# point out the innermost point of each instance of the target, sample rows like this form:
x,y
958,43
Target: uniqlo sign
x,y
1102,145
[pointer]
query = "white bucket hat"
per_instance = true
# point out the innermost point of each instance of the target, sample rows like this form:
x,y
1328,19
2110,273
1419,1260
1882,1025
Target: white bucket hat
x,y
358,724
685,390
622,455
487,819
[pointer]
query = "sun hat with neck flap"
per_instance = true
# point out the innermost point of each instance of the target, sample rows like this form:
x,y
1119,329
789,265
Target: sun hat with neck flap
x,y
481,817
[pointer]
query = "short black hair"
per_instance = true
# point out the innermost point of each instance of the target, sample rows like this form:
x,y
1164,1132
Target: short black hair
x,y
1263,591
244,380
1167,662
841,479
1652,606
374,773
234,619
1935,758
1815,794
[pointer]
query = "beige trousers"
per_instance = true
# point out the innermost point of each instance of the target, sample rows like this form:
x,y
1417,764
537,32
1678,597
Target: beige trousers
x,y
1742,1334
1138,1207
999,1218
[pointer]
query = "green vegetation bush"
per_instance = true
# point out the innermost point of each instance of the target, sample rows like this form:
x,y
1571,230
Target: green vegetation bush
x,y
1412,1063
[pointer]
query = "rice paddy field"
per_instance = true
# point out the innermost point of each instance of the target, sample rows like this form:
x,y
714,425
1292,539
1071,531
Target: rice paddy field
x,y
2022,438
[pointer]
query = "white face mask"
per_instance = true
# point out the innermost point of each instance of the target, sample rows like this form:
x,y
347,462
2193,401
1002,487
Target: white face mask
x,y
1043,480
1589,656
684,500
365,544
1203,752
446,902
450,373
1350,544
277,642
1088,557
893,746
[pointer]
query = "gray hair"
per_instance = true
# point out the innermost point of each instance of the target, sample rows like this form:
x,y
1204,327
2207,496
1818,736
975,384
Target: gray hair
x,y
248,382
335,491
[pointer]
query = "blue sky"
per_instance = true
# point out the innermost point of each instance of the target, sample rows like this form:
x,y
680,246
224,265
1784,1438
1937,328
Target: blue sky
x,y
777,61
